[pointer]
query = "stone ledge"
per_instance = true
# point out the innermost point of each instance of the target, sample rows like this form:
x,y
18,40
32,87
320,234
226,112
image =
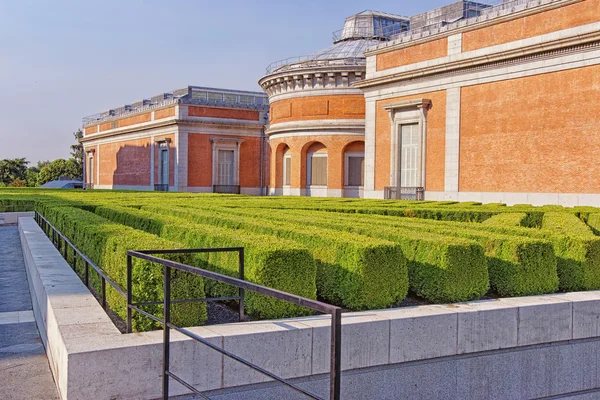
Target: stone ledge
x,y
90,358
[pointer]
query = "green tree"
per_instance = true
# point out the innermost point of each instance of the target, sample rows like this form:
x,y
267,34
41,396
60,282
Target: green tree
x,y
59,168
12,169
77,153
31,176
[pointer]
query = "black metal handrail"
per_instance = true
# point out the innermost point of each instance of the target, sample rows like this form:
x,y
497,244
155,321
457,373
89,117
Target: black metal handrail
x,y
55,237
242,285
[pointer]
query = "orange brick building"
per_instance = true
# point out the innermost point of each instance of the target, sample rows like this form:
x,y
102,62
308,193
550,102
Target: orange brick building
x,y
492,101
194,139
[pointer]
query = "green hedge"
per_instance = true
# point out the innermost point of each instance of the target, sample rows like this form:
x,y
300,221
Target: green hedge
x,y
440,269
517,266
577,258
593,221
507,219
578,253
269,261
357,272
106,244
566,224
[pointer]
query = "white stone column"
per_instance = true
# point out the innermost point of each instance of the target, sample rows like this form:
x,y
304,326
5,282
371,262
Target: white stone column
x,y
370,111
452,141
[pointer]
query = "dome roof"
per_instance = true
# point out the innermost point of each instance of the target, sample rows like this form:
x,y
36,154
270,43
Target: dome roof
x,y
361,31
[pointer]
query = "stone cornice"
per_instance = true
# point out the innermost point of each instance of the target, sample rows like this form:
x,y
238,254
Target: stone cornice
x,y
317,125
174,122
312,79
464,26
490,60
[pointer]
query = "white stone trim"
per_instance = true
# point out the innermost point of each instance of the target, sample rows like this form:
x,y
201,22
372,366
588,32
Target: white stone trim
x,y
314,133
149,133
315,92
370,120
152,144
452,155
454,44
320,124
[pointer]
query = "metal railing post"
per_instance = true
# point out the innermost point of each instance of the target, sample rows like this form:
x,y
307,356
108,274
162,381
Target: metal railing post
x,y
86,274
129,310
336,355
103,290
166,331
241,291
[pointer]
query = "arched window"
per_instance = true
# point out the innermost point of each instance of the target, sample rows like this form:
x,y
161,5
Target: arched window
x,y
316,165
287,167
354,164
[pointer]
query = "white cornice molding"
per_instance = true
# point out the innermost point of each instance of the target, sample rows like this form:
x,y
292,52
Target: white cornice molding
x,y
314,125
477,24
318,92
466,62
311,80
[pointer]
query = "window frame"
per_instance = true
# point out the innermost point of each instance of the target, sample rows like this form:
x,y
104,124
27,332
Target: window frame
x,y
286,157
309,157
347,157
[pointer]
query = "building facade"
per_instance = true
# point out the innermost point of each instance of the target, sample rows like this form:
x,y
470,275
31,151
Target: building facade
x,y
317,120
194,139
500,107
491,101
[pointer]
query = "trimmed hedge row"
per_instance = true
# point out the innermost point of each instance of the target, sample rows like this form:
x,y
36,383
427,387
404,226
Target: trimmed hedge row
x,y
507,219
517,266
106,244
566,224
357,272
576,248
269,261
593,221
440,269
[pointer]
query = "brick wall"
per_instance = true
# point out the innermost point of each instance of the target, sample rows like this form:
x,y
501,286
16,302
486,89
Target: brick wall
x,y
125,163
213,112
584,12
413,54
318,107
164,113
534,134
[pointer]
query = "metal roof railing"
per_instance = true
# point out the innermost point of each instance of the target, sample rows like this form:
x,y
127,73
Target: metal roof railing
x,y
309,62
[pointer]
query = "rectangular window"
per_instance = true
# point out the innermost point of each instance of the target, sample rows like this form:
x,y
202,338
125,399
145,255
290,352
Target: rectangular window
x,y
318,170
287,170
163,165
410,174
212,96
230,98
91,177
225,167
356,170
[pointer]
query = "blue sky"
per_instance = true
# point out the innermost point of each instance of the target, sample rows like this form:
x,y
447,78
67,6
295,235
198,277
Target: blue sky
x,y
61,60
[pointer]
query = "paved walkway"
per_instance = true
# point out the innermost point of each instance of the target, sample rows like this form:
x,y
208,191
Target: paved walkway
x,y
24,369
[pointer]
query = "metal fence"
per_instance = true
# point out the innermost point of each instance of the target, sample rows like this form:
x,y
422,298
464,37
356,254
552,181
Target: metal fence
x,y
404,193
242,285
62,243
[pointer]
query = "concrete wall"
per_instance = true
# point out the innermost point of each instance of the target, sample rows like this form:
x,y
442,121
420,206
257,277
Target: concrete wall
x,y
514,348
